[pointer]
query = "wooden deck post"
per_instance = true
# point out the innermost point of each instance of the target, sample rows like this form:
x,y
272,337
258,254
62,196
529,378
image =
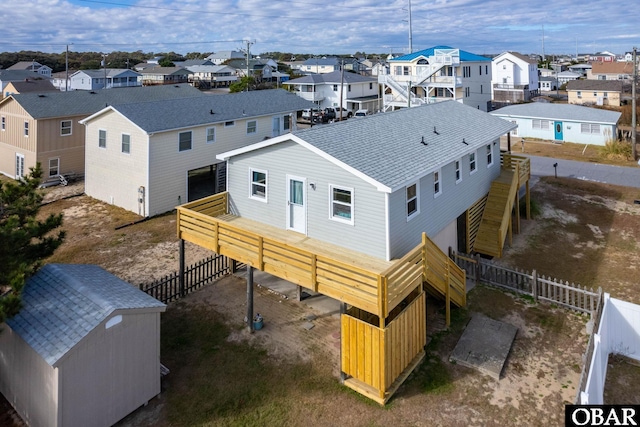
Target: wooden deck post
x,y
528,200
518,211
343,310
250,297
448,296
181,272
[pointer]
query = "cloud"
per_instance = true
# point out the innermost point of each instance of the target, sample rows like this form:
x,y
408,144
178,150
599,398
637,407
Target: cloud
x,y
306,26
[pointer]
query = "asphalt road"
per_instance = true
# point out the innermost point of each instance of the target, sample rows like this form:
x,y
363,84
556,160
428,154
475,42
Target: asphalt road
x,y
617,175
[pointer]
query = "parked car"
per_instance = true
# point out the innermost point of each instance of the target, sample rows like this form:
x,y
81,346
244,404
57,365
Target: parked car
x,y
324,116
307,113
362,113
345,114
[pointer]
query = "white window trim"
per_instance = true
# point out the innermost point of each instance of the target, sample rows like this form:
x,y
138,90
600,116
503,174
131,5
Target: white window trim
x,y
406,201
70,128
255,128
57,159
206,135
122,143
187,149
490,152
105,139
439,182
25,129
475,162
264,199
458,170
331,202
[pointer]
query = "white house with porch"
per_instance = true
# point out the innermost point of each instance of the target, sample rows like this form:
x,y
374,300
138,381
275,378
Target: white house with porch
x,y
326,90
440,73
514,78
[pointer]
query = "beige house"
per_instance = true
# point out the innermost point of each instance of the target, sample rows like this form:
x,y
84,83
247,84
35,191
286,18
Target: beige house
x,y
84,350
150,157
43,126
596,92
610,71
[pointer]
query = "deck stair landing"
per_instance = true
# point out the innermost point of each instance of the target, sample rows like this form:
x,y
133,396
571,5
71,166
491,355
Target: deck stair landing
x,y
496,218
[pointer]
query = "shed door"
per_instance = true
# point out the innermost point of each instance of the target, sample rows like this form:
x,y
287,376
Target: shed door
x,y
558,131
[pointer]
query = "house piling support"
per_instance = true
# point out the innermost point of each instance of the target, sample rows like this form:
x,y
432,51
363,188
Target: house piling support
x,y
250,297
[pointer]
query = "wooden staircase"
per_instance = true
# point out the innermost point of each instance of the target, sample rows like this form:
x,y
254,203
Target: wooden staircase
x,y
496,218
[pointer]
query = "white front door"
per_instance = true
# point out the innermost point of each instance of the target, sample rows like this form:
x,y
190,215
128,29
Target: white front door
x,y
275,127
296,209
19,166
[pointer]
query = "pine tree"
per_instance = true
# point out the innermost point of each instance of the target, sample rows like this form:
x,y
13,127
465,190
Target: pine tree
x,y
25,240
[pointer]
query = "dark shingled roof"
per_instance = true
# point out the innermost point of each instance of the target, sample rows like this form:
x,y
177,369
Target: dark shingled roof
x,y
82,102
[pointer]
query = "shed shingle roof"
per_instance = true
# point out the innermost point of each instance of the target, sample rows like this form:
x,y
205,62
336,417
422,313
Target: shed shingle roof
x,y
63,303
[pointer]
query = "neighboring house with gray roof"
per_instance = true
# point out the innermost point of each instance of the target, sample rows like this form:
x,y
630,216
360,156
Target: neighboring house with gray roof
x,y
43,126
7,76
28,85
210,76
561,122
224,55
358,92
83,350
373,184
152,156
103,78
43,70
597,92
164,76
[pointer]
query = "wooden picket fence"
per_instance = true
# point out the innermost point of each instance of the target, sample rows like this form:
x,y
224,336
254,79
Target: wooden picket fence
x,y
541,288
169,288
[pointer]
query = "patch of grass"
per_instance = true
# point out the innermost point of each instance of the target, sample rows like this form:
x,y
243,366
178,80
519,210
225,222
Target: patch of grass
x,y
534,208
214,381
434,376
616,150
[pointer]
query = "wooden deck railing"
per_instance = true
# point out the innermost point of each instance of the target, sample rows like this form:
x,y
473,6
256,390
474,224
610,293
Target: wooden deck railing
x,y
206,223
519,164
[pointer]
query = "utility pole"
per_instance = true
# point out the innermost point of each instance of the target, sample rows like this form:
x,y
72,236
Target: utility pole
x,y
104,65
634,152
341,88
543,57
247,51
410,30
66,65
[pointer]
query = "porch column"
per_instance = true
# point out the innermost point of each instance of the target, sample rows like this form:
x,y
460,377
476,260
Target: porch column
x,y
250,297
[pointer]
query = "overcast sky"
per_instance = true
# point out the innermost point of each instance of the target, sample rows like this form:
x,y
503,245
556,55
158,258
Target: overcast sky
x,y
320,26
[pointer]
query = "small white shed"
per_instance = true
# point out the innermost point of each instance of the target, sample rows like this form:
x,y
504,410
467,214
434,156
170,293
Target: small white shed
x,y
83,351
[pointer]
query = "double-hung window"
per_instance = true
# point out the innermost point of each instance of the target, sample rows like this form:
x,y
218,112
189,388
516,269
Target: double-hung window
x,y
65,127
126,143
413,207
102,138
54,166
211,135
437,185
4,123
252,127
287,122
341,204
184,141
472,163
489,156
458,165
258,184
26,128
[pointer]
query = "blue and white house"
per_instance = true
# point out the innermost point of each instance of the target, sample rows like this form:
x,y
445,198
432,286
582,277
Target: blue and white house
x,y
561,122
104,79
372,185
440,73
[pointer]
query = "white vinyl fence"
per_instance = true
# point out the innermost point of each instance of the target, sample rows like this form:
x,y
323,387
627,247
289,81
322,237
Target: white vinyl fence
x,y
618,332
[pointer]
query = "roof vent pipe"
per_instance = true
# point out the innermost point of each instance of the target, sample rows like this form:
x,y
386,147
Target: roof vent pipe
x,y
422,142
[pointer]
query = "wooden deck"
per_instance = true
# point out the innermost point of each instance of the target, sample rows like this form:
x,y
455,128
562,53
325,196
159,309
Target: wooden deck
x,y
497,214
369,283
